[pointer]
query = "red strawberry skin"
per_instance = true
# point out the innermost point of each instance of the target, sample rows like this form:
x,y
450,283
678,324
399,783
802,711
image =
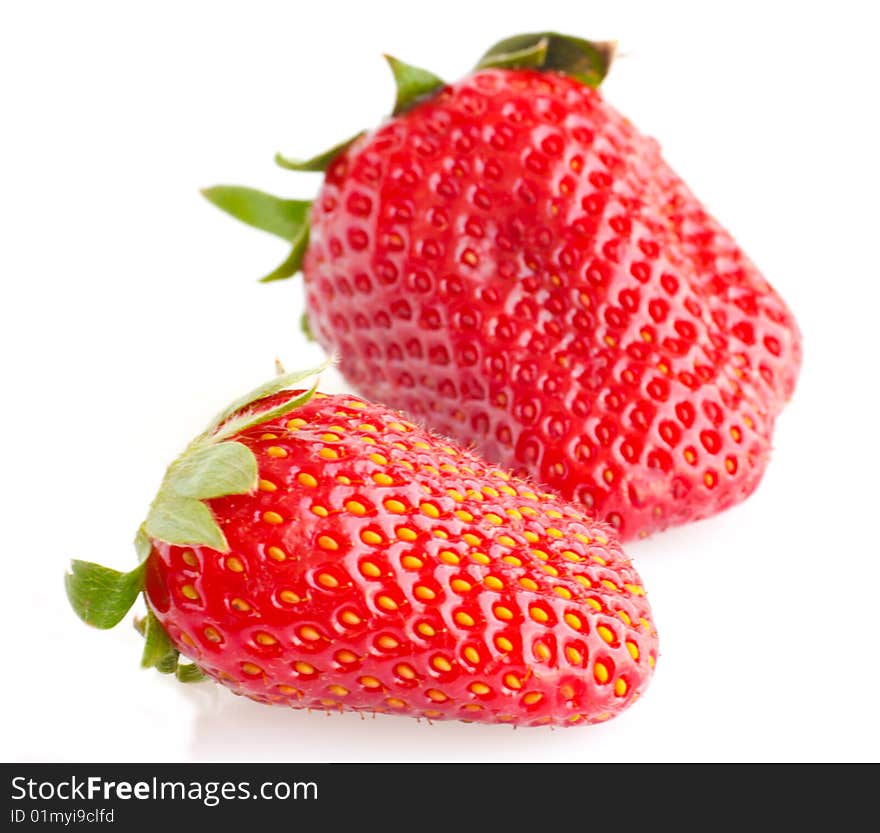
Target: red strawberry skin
x,y
513,263
380,569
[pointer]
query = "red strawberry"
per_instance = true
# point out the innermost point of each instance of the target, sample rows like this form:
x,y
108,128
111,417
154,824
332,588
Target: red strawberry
x,y
323,552
509,260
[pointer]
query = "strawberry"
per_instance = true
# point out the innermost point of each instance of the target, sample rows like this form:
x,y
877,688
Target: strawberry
x,y
320,551
510,261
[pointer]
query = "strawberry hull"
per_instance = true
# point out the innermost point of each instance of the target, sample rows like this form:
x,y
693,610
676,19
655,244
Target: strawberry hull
x,y
379,568
515,265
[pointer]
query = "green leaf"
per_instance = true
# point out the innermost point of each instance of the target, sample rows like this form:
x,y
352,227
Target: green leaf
x,y
587,61
274,385
208,471
317,163
305,327
293,262
159,651
190,673
284,218
100,596
248,419
413,84
184,521
142,544
532,55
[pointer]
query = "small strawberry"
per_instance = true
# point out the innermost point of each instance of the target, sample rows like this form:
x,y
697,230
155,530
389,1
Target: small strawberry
x,y
323,552
509,260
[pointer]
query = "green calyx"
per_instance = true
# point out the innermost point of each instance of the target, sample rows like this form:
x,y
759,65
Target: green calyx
x,y
587,61
213,465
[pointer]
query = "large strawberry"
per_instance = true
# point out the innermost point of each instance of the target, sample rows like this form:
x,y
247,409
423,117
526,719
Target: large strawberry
x,y
323,552
509,260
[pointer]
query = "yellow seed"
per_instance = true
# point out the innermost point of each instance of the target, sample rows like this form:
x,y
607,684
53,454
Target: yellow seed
x,y
651,661
212,634
328,453
265,639
386,603
338,690
479,688
471,654
369,536
250,669
503,613
532,697
305,479
370,570
189,592
600,672
305,668
493,583
584,539
425,629
570,555
234,565
529,584
448,557
540,554
276,554
395,702
378,458
406,534
539,614
345,657
382,479
624,617
464,619
564,592
365,426
598,558
309,633
606,633
276,451
633,649
410,562
584,580
464,515
459,585
430,510
620,687
506,541
470,539
349,617
325,542
328,581
492,518
441,663
369,682
553,532
512,681
503,643
296,422
475,494
457,496
272,518
481,558
355,507
442,533
512,559
395,506
594,603
288,597
356,404
397,426
422,445
289,689
542,651
531,537
574,656
405,671
645,624
426,594
320,511
573,621
488,490
436,695
387,642
567,691
189,558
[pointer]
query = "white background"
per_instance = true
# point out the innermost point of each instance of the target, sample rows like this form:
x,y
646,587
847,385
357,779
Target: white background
x,y
130,314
